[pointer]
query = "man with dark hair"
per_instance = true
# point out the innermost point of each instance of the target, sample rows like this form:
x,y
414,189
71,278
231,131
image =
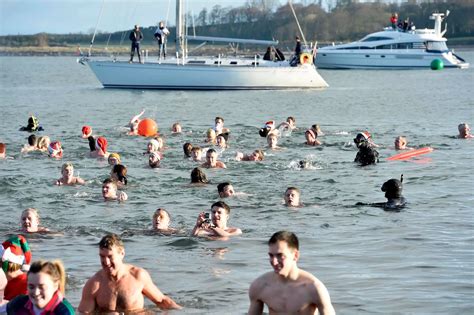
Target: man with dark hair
x,y
214,224
109,191
225,190
288,289
135,36
211,160
119,287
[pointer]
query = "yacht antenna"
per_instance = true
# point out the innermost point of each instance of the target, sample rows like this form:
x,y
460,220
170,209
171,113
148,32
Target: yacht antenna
x,y
297,22
95,30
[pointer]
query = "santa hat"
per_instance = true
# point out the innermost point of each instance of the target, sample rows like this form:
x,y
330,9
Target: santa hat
x,y
270,124
55,149
101,143
86,131
15,250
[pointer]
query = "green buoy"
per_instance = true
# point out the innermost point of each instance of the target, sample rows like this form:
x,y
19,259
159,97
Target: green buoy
x,y
437,64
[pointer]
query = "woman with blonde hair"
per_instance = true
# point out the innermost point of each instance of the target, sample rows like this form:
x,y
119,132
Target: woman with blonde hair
x,y
68,178
46,286
30,221
43,143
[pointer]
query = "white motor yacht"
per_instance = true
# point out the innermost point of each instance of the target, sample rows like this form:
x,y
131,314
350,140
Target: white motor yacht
x,y
393,49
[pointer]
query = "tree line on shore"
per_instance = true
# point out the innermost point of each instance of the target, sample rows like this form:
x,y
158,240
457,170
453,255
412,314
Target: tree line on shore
x,y
346,21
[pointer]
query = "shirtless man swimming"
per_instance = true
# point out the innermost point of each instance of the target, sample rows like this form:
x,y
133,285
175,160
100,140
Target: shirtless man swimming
x,y
211,160
216,224
119,287
288,289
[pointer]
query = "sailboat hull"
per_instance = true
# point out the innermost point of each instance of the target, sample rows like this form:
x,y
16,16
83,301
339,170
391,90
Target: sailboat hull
x,y
169,76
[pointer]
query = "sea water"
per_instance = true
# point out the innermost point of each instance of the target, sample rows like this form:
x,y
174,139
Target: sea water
x,y
416,261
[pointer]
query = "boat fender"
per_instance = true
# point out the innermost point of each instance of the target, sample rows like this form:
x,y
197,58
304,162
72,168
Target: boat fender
x,y
306,58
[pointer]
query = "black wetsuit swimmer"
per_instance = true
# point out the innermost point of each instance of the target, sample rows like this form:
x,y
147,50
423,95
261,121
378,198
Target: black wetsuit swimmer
x,y
393,192
367,154
33,125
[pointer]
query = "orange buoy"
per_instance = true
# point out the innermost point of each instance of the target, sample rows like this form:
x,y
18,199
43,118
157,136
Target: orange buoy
x,y
147,127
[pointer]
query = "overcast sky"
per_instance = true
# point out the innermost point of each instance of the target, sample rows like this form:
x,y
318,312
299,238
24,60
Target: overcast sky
x,y
74,16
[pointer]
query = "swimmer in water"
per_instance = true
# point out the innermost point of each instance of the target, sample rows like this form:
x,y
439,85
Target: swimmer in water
x,y
464,131
291,121
119,175
176,128
311,138
219,126
55,150
256,155
3,284
86,132
32,144
367,154
109,191
43,143
30,221
33,125
198,176
187,148
153,146
100,148
211,136
287,289
196,154
214,224
401,143
68,178
120,288
133,124
393,192
154,159
272,141
317,129
114,159
225,190
292,197
221,140
267,129
161,221
211,160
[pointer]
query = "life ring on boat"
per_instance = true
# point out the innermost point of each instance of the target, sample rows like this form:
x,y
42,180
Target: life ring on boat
x,y
306,58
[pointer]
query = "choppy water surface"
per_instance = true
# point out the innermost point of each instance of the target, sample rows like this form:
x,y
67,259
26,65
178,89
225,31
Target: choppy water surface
x,y
417,261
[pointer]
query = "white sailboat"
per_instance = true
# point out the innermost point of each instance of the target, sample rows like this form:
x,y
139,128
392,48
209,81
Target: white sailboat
x,y
206,73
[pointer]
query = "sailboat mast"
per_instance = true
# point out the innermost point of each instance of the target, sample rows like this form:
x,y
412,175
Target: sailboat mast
x,y
179,28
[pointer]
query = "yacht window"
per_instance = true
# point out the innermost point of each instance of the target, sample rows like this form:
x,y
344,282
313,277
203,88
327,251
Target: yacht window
x,y
436,46
375,38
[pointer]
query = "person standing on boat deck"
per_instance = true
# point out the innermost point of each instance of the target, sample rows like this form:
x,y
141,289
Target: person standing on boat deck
x,y
394,20
161,34
135,36
296,57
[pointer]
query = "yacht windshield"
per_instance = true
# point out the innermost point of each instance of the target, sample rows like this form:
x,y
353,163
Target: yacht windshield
x,y
375,38
436,46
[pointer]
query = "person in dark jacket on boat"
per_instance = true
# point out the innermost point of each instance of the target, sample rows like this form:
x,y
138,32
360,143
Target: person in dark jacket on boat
x,y
135,36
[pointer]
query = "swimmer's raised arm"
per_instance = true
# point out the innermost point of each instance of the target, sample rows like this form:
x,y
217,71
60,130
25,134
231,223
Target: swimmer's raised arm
x,y
135,118
151,291
199,221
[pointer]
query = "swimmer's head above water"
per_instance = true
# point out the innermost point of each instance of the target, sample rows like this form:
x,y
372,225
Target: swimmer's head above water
x,y
393,188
